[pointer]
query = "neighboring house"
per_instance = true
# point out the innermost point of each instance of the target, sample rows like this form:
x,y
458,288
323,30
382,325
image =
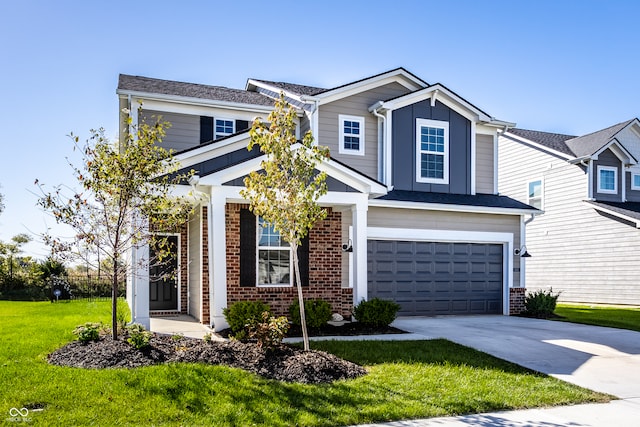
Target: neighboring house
x,y
586,243
412,198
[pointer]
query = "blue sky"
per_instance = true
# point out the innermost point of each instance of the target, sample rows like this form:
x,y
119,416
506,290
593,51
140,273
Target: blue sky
x,y
559,66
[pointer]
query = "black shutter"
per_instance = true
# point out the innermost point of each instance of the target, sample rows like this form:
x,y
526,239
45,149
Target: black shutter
x,y
241,125
247,248
303,258
206,129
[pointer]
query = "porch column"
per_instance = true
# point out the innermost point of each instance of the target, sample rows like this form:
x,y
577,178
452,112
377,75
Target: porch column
x,y
359,219
138,285
217,258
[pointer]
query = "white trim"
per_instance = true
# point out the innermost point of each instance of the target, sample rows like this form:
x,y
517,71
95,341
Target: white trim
x,y
633,186
399,76
528,183
473,158
496,169
258,248
212,150
217,258
617,214
437,124
217,135
623,189
618,150
361,136
590,180
190,102
449,208
388,170
613,169
412,235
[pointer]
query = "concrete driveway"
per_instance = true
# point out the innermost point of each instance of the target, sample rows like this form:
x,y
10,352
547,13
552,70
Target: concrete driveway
x,y
601,359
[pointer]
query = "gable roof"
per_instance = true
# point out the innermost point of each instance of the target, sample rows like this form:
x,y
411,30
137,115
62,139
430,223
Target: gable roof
x,y
627,211
293,87
591,143
139,85
554,141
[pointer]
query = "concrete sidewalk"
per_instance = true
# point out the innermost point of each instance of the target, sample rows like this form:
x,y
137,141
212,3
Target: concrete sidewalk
x,y
180,325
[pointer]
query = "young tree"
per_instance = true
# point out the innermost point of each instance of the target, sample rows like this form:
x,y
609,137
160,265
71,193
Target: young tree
x,y
286,192
125,197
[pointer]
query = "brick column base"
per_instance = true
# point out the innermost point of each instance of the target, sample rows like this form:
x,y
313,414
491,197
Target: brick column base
x,y
516,300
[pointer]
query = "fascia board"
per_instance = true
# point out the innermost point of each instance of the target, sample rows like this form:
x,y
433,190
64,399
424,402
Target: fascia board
x,y
352,179
211,151
451,208
538,146
617,214
276,89
618,149
451,100
195,101
392,77
236,171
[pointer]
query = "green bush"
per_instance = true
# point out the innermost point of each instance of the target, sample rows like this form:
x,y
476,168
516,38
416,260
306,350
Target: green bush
x,y
139,337
123,314
540,303
376,312
88,332
243,314
317,312
270,331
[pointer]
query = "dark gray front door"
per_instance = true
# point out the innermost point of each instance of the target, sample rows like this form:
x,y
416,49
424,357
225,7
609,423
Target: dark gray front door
x,y
433,278
163,286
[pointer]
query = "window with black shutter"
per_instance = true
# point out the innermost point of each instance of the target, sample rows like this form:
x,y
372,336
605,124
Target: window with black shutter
x,y
206,129
247,248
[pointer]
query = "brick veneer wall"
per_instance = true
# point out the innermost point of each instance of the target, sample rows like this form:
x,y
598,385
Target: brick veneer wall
x,y
205,267
516,300
325,266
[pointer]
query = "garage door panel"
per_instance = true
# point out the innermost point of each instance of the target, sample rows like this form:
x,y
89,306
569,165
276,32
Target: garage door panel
x,y
432,278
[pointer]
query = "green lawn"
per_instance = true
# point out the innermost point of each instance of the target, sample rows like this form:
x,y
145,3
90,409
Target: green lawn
x,y
406,380
601,315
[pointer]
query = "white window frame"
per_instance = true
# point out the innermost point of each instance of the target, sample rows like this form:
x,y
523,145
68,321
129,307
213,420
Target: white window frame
x,y
633,186
615,181
217,135
541,197
341,148
271,248
420,123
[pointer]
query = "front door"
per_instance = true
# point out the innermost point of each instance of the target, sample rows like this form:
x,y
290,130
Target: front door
x,y
163,279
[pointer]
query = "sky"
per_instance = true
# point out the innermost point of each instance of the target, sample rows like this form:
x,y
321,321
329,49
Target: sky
x,y
558,66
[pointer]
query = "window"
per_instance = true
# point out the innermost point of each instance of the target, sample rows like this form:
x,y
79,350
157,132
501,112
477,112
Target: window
x,y
432,155
607,179
351,135
635,181
534,197
274,257
224,127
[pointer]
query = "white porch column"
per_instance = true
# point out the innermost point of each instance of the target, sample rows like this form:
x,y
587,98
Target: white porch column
x,y
138,285
217,258
359,219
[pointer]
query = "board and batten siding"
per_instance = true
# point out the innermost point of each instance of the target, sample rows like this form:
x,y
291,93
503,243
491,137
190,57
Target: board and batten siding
x,y
454,221
586,256
356,105
184,132
484,164
195,264
607,158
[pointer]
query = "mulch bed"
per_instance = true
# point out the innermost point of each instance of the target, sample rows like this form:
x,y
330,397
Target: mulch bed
x,y
285,363
328,330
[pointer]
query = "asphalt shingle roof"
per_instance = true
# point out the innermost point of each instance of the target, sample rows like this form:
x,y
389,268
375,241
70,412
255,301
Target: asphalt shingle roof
x,y
191,90
485,200
629,209
294,88
588,144
555,141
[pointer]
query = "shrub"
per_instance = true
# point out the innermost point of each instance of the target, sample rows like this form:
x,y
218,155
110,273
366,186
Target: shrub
x,y
270,331
88,332
139,337
376,312
540,303
123,314
317,312
243,314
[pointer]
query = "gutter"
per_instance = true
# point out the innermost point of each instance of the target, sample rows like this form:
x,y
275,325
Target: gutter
x,y
383,154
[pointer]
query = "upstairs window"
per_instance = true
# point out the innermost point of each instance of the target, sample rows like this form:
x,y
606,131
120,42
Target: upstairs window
x,y
535,194
274,257
224,127
607,179
432,151
351,135
635,181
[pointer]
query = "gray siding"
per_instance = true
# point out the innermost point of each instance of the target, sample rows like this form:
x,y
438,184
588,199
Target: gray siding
x,y
607,158
184,132
484,164
632,195
460,221
590,258
356,105
404,148
195,265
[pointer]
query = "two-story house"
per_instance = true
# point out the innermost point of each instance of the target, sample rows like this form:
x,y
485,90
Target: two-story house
x,y
585,245
413,210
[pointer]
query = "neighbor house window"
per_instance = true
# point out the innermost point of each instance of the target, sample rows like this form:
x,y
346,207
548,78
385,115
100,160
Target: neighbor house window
x,y
535,194
274,257
635,181
432,151
351,135
607,179
224,127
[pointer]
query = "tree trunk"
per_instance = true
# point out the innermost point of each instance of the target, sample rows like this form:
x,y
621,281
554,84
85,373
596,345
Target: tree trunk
x,y
303,320
114,300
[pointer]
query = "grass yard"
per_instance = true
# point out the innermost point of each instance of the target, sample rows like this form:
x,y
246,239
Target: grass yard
x,y
407,380
601,315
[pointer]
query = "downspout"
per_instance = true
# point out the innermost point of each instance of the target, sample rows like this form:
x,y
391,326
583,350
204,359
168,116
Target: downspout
x,y
382,173
313,120
589,177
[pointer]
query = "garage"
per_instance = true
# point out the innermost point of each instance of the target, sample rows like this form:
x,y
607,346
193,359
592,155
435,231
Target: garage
x,y
437,278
